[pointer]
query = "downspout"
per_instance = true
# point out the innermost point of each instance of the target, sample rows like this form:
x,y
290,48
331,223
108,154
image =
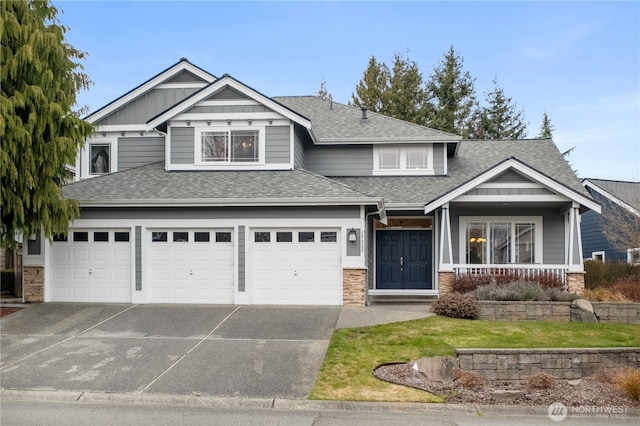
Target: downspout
x,y
383,218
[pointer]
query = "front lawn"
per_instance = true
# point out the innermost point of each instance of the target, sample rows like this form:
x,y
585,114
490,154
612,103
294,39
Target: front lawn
x,y
354,352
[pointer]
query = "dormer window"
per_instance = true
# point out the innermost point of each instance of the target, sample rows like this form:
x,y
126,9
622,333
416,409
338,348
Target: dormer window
x,y
229,146
403,160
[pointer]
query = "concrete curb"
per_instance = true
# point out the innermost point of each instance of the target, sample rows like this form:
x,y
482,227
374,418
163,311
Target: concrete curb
x,y
274,403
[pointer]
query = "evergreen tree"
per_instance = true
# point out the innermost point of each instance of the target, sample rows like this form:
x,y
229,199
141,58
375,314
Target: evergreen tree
x,y
452,98
323,93
372,90
499,119
546,128
40,132
406,97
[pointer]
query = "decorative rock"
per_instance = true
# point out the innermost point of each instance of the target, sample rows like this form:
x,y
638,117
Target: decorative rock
x,y
507,394
582,311
575,382
436,367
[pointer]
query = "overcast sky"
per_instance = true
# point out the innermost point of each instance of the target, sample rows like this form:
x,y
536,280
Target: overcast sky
x,y
578,61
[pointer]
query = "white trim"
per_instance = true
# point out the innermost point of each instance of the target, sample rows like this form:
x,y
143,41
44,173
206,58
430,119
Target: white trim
x,y
535,198
85,155
181,85
225,102
117,128
588,184
517,185
218,85
523,169
145,87
596,254
228,164
630,255
445,160
234,202
538,241
394,140
402,151
210,116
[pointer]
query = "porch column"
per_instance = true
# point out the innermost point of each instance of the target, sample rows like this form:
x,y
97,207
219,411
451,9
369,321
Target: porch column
x,y
445,265
575,271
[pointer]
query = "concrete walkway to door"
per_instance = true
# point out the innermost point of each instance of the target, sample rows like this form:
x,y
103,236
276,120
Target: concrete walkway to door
x,y
191,350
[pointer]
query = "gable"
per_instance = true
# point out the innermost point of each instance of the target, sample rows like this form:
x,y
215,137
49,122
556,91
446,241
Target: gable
x,y
185,76
510,176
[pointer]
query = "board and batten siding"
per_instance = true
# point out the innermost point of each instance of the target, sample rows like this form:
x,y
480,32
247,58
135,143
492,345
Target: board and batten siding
x,y
182,145
138,151
301,139
147,106
277,144
340,160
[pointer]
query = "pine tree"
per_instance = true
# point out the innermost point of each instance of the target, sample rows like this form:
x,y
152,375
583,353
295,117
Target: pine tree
x,y
40,132
372,90
407,97
499,119
452,98
546,128
323,93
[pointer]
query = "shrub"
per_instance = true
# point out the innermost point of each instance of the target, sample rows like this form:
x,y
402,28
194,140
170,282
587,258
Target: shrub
x,y
465,283
540,381
629,381
599,274
521,291
468,379
7,278
602,294
456,305
629,289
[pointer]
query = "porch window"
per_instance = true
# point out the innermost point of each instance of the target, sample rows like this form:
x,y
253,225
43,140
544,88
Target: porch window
x,y
233,146
498,242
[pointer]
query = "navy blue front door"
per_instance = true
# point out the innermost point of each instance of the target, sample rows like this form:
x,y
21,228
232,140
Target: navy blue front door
x,y
403,260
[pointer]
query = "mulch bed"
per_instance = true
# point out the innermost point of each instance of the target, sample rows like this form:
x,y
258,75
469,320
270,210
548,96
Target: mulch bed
x,y
4,311
590,391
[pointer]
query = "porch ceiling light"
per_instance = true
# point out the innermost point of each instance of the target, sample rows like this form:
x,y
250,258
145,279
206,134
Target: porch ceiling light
x,y
352,236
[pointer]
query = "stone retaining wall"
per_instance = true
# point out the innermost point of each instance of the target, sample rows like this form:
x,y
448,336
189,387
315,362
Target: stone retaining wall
x,y
514,365
608,312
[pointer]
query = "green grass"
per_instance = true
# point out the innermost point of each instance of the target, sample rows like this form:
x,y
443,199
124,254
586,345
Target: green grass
x,y
354,352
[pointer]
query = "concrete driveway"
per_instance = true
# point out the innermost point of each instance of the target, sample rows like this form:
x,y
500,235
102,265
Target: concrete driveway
x,y
244,351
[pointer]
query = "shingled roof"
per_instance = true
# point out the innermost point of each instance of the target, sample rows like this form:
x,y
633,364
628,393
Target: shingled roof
x,y
332,122
627,192
152,185
474,157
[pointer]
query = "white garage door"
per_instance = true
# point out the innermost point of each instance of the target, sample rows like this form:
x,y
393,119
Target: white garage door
x,y
92,265
295,267
190,265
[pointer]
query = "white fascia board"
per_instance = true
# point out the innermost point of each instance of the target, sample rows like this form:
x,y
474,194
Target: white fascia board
x,y
212,88
145,87
385,140
122,128
233,202
588,184
533,198
525,170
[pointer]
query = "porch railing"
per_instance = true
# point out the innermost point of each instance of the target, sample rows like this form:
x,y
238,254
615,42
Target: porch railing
x,y
523,271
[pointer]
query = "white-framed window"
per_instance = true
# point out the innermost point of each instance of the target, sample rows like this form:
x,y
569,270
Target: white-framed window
x,y
230,146
500,240
633,256
403,159
598,255
99,158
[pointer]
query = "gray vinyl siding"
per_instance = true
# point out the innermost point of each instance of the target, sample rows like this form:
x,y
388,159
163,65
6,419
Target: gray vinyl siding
x,y
147,106
301,139
228,93
340,160
138,265
242,262
182,145
143,213
510,176
552,226
138,151
219,109
438,159
277,144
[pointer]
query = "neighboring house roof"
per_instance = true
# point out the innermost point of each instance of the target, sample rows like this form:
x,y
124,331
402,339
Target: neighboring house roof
x,y
623,193
151,185
474,158
332,122
167,74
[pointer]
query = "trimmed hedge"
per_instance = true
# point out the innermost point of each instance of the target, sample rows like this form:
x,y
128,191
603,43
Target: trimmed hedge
x,y
466,283
599,274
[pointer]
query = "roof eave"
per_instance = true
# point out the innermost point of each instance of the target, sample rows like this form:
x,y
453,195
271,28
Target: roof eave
x,y
234,202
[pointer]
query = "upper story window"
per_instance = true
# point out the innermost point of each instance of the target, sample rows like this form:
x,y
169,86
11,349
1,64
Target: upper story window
x,y
403,159
100,155
230,146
